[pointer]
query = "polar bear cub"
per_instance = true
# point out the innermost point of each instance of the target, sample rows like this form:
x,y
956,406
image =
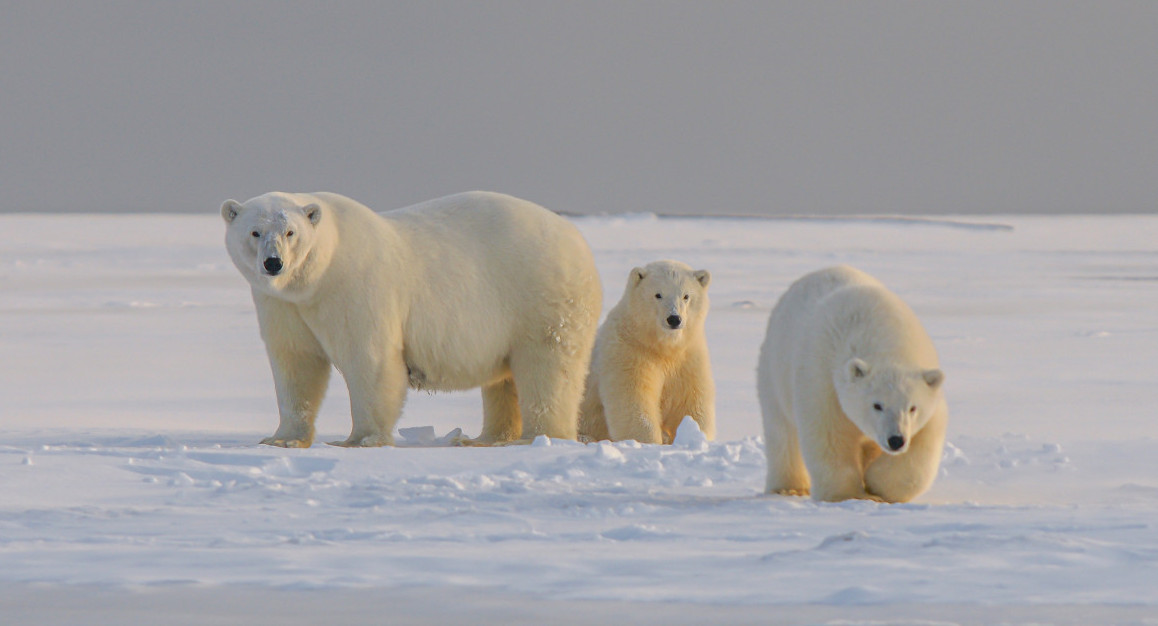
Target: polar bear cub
x,y
471,290
851,392
650,367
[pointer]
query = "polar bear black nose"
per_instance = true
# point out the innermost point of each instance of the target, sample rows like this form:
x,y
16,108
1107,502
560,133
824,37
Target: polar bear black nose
x,y
896,442
272,265
674,321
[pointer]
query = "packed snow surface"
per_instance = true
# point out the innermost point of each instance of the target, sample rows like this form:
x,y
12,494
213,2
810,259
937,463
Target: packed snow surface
x,y
134,387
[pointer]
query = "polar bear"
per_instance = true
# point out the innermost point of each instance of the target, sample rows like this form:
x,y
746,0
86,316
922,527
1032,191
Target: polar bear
x,y
471,290
650,367
846,373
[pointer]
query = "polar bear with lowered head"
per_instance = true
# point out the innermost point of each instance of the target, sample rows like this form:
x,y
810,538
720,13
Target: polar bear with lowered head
x,y
471,290
850,389
650,368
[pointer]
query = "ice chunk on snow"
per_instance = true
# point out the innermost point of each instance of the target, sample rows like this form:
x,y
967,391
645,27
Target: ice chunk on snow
x,y
423,435
607,452
450,437
952,455
689,436
541,441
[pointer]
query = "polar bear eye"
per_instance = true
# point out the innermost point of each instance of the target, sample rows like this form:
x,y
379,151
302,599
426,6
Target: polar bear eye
x,y
912,409
289,234
657,296
877,407
686,297
255,234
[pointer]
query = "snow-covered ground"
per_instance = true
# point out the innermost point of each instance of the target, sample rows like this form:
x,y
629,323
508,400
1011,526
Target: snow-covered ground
x,y
134,386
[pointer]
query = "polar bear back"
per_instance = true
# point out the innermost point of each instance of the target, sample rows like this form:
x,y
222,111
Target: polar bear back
x,y
467,277
484,234
830,316
492,269
843,307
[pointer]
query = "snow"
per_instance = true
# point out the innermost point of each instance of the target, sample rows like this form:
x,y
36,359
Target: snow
x,y
134,387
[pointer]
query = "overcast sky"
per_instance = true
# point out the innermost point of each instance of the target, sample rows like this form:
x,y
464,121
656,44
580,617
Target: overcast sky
x,y
669,107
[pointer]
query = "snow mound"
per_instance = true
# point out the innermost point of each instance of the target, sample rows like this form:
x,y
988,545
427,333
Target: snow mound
x,y
689,436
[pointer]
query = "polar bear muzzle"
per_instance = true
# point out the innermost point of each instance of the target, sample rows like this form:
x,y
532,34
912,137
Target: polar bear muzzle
x,y
272,265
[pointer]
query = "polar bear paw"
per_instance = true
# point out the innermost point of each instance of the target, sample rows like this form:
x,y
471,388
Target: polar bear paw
x,y
368,441
285,443
479,442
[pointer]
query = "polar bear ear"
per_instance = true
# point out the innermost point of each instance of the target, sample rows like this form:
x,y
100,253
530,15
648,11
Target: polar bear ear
x,y
704,276
230,210
313,213
857,368
637,275
933,377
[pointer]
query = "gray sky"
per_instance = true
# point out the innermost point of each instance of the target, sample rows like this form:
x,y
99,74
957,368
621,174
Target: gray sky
x,y
670,107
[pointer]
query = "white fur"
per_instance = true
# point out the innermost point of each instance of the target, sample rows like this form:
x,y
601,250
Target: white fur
x,y
645,375
471,290
838,346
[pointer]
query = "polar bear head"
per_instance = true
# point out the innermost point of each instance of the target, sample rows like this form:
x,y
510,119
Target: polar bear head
x,y
889,404
270,239
669,297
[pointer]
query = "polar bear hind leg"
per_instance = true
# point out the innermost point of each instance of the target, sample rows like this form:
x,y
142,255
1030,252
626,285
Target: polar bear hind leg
x,y
502,420
548,394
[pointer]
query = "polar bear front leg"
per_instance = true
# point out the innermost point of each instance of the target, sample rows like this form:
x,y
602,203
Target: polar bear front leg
x,y
377,393
902,477
830,445
301,383
692,393
631,401
301,371
786,473
835,473
592,421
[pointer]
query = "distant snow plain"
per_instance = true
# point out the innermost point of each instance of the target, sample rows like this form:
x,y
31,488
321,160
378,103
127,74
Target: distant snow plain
x,y
134,387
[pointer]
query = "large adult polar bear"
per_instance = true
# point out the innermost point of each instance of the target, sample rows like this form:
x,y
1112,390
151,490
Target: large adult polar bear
x,y
847,372
471,290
